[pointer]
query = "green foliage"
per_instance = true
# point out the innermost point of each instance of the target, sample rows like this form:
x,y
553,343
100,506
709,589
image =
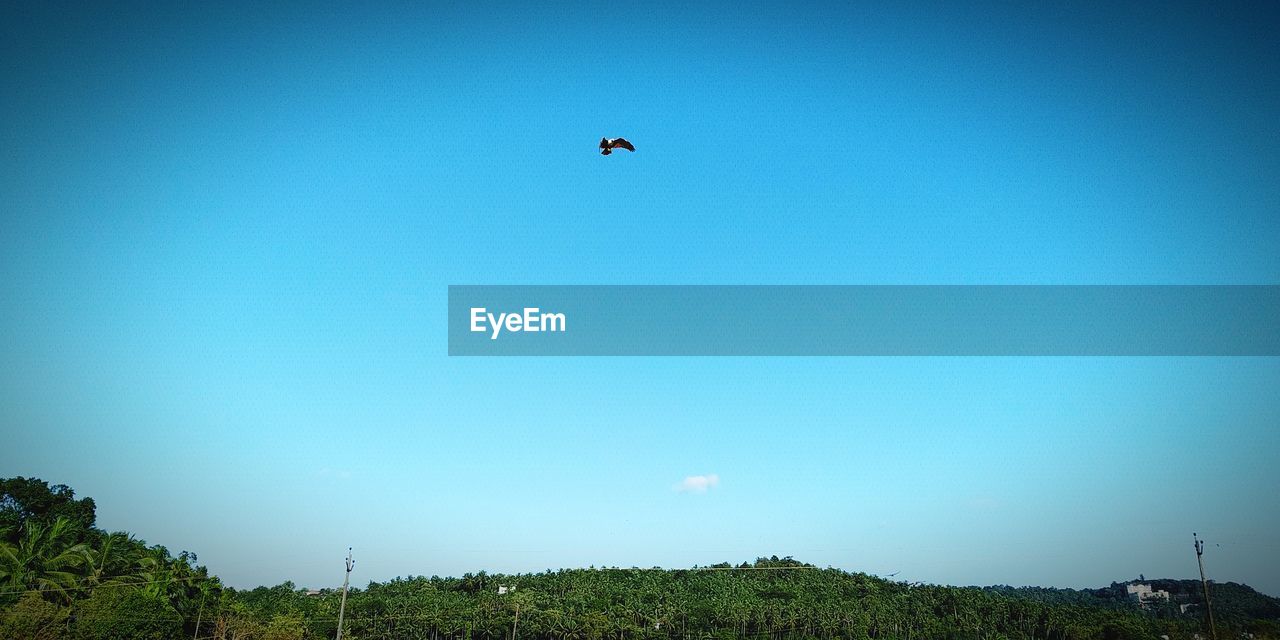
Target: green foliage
x,y
765,600
285,627
1263,629
60,578
1231,601
125,613
31,500
49,551
48,558
32,618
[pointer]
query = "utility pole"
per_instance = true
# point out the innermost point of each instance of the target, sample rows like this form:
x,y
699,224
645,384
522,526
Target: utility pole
x,y
347,579
1213,632
516,621
200,616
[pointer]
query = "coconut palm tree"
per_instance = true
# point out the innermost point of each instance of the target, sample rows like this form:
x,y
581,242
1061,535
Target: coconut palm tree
x,y
46,558
114,558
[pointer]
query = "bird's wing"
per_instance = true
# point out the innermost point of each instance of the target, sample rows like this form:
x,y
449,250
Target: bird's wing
x,y
622,142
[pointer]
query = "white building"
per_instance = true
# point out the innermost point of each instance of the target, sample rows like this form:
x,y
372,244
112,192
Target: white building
x,y
1145,595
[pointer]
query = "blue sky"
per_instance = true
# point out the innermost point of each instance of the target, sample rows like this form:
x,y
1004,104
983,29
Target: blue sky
x,y
227,234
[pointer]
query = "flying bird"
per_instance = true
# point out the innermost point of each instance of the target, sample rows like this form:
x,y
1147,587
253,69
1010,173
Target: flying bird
x,y
607,146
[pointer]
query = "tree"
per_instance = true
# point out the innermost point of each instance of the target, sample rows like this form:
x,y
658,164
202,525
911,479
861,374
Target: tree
x,y
32,618
123,613
114,556
45,558
25,500
284,627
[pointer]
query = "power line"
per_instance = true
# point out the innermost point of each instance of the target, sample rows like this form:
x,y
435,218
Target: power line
x,y
105,585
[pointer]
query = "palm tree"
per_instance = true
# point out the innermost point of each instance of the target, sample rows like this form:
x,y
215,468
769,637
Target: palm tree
x,y
114,558
46,558
155,571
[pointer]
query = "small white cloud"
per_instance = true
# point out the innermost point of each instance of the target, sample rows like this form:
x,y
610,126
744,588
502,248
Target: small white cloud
x,y
341,474
985,503
698,484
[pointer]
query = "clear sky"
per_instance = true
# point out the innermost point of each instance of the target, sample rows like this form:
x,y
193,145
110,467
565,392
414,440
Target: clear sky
x,y
226,235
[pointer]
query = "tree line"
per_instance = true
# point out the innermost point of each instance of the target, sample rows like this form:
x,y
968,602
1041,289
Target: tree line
x,y
62,577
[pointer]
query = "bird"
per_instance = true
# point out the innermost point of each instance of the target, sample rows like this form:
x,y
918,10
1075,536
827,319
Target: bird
x,y
607,146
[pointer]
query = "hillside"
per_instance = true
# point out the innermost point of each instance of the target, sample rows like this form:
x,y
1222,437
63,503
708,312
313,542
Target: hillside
x,y
60,576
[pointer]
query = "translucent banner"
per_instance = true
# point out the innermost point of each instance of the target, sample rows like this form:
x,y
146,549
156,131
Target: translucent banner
x,y
1227,320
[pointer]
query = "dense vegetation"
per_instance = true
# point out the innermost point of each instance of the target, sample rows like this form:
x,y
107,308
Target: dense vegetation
x,y
61,577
